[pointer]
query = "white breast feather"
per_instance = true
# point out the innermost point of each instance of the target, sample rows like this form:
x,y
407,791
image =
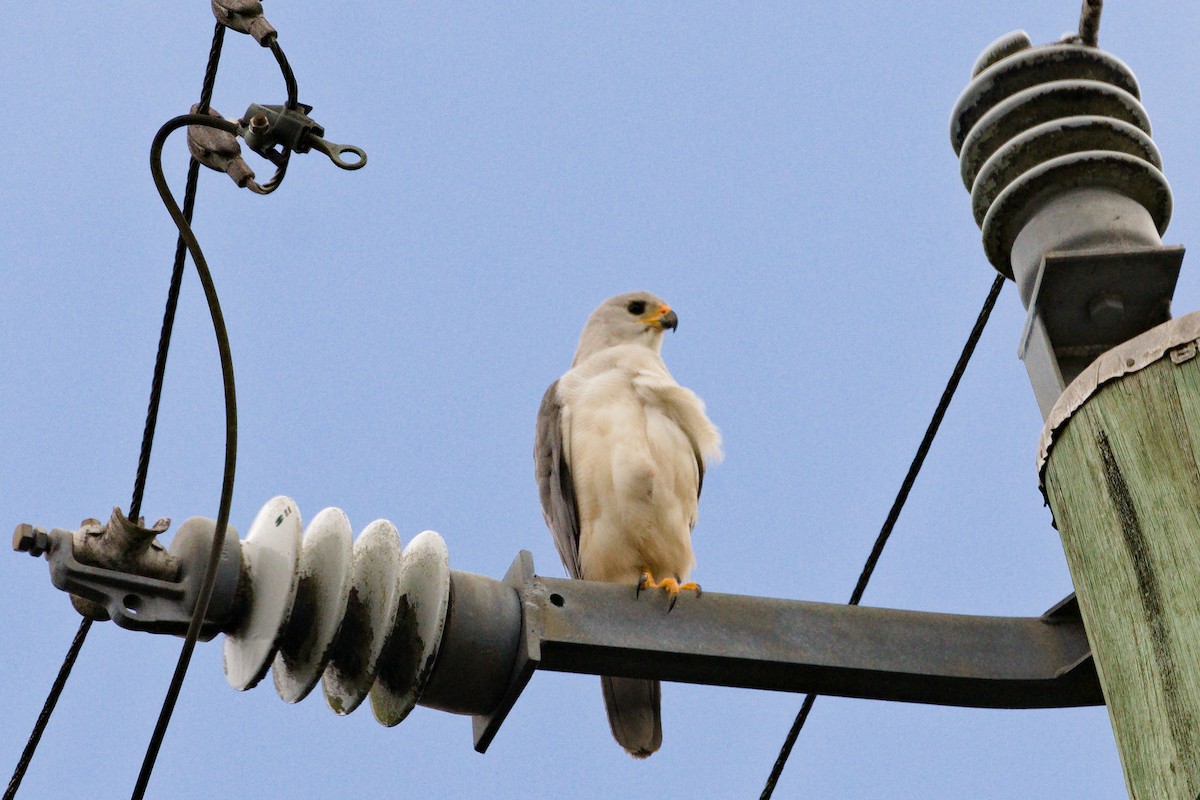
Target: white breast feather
x,y
628,432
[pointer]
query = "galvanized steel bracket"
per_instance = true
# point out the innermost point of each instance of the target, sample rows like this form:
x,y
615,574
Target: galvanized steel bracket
x,y
1093,300
1085,302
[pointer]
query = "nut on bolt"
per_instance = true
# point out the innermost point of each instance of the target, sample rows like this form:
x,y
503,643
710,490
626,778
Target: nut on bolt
x,y
28,539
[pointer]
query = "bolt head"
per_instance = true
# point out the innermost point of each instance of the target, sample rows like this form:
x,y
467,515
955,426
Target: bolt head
x,y
23,537
28,539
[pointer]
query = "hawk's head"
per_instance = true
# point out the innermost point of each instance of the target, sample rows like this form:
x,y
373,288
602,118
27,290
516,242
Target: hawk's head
x,y
631,318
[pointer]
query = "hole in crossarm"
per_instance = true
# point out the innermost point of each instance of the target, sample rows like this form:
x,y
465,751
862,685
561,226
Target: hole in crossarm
x,y
132,603
557,600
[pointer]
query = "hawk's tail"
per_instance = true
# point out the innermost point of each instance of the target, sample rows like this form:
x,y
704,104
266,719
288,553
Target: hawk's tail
x,y
634,713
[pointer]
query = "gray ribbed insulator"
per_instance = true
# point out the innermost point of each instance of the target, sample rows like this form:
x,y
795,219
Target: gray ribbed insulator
x,y
370,619
1038,121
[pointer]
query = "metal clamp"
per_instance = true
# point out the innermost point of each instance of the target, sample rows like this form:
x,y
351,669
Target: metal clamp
x,y
218,149
244,16
120,571
266,128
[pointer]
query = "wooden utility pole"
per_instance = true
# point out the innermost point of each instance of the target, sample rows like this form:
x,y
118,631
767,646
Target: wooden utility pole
x,y
1067,186
1122,477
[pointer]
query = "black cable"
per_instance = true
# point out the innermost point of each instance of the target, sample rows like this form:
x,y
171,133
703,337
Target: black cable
x,y
276,179
168,323
927,441
182,219
164,346
289,77
222,336
894,514
39,726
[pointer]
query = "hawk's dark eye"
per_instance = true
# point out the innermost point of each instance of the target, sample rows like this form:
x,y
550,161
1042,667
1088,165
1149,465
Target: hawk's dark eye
x,y
636,307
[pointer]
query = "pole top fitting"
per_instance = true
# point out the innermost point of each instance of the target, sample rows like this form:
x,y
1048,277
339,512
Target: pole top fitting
x,y
1068,191
1037,121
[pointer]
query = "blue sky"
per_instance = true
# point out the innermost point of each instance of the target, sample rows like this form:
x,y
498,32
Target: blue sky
x,y
780,173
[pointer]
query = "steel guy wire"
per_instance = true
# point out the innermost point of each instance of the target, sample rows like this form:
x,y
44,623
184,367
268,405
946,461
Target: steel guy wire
x,y
894,513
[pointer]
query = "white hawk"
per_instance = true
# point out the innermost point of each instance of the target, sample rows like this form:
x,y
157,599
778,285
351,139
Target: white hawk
x,y
619,458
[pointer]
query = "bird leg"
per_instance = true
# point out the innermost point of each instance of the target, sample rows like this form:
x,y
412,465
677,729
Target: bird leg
x,y
672,585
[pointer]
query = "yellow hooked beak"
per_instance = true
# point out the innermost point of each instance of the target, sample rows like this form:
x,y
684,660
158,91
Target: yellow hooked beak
x,y
662,318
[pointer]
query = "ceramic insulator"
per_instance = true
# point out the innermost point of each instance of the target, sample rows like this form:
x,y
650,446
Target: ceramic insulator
x,y
1038,123
363,618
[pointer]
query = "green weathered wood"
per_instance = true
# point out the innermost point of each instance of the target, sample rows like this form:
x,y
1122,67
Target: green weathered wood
x,y
1124,485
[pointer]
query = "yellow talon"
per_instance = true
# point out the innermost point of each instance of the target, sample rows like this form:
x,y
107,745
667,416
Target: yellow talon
x,y
672,586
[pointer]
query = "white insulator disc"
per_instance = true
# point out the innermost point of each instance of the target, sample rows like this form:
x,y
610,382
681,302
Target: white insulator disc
x,y
325,571
413,647
271,554
370,617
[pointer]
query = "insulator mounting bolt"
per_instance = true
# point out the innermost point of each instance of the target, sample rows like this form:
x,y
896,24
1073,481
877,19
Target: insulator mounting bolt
x,y
28,539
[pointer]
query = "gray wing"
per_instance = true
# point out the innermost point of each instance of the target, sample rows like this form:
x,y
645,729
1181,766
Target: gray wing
x,y
555,485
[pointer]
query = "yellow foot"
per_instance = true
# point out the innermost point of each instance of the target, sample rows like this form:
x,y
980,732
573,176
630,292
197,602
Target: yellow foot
x,y
672,585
